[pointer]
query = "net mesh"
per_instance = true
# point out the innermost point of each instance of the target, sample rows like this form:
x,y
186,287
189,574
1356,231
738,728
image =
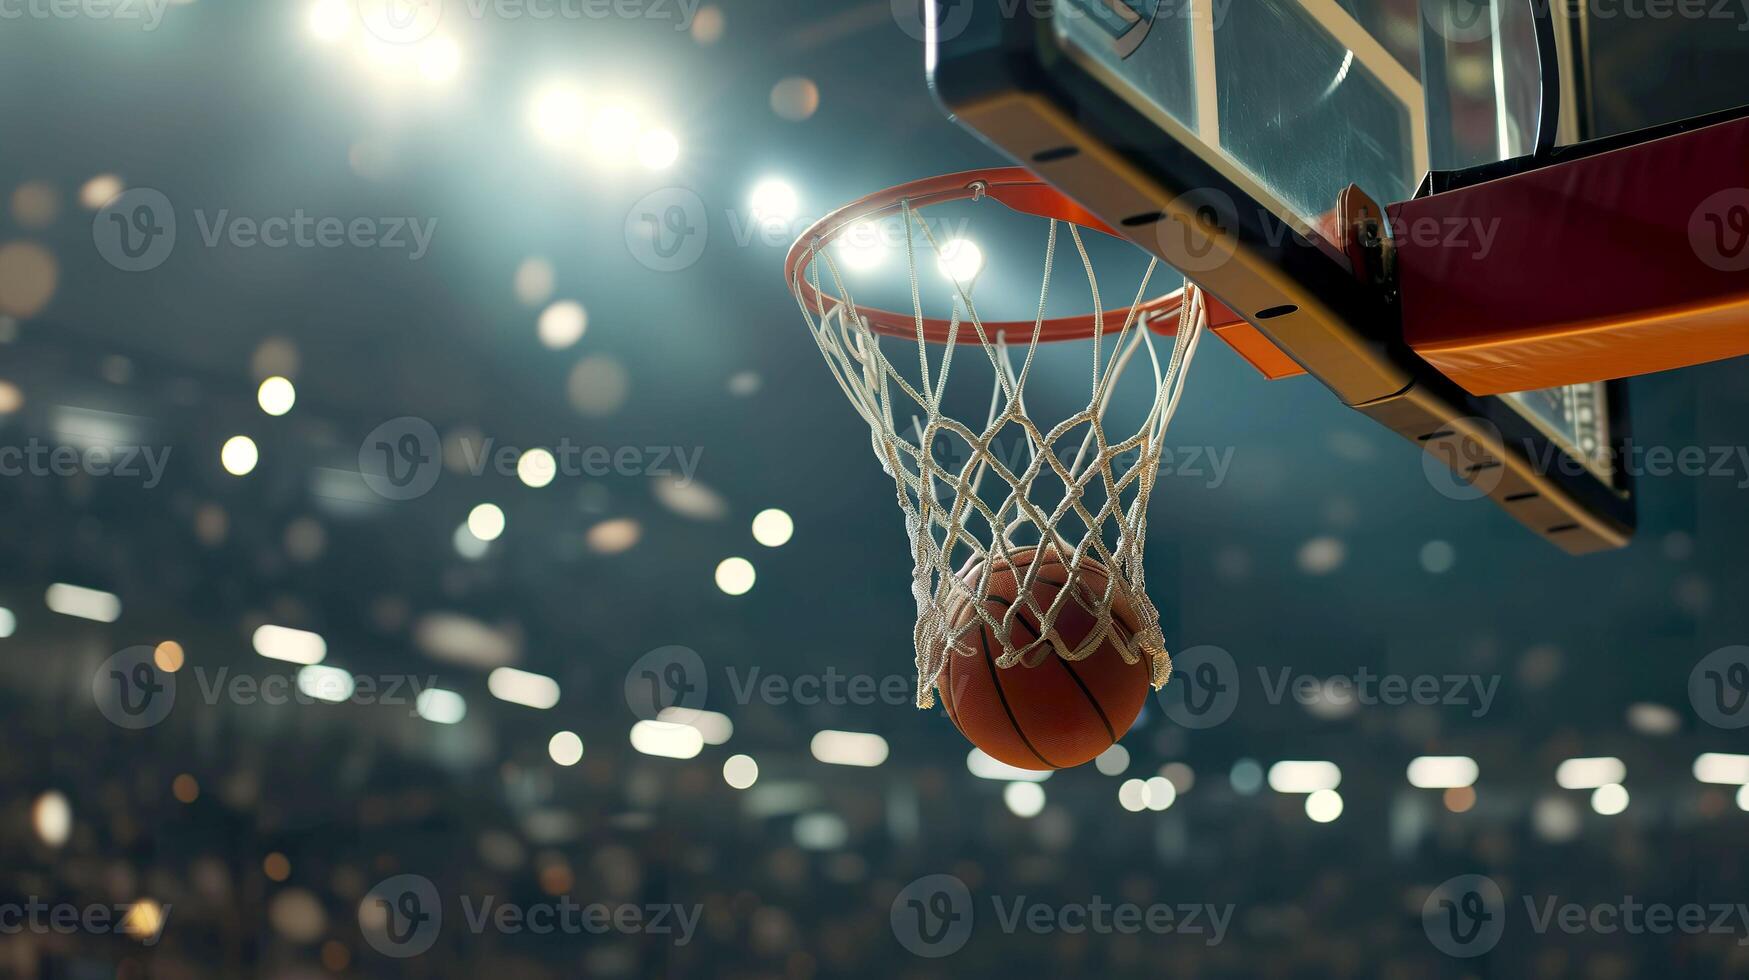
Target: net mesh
x,y
1011,483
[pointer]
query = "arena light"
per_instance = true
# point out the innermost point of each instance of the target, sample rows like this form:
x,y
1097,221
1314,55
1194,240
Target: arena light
x,y
557,112
276,396
960,260
1590,773
658,149
1304,777
486,522
740,771
1723,768
522,687
1133,795
1024,800
440,60
52,818
1610,800
667,740
773,528
848,748
735,576
773,201
239,456
1324,805
862,246
434,704
329,20
981,765
1161,794
612,134
714,727
325,683
565,748
83,603
1442,772
293,646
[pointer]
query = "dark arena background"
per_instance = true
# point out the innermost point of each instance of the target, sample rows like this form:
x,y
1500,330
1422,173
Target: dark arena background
x,y
431,547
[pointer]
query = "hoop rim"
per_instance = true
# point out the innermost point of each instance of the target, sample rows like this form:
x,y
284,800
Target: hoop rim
x,y
1016,188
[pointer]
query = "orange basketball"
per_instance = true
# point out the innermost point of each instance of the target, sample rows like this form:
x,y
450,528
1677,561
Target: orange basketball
x,y
1057,714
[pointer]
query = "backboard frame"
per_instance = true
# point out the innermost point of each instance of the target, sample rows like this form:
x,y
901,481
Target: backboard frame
x,y
1005,74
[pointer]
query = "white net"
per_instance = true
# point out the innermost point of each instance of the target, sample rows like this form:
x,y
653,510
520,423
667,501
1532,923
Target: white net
x,y
1011,484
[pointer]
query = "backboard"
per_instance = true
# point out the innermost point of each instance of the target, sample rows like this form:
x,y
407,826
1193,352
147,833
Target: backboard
x,y
1219,135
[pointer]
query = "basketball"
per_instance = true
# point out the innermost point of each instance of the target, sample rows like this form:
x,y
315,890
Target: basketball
x,y
1057,714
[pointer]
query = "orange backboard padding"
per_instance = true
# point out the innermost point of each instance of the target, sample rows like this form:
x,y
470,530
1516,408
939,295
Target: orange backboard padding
x,y
1609,266
1246,340
1256,349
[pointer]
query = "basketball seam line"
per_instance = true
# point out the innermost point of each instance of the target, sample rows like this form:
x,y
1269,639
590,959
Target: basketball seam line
x,y
1092,701
1002,696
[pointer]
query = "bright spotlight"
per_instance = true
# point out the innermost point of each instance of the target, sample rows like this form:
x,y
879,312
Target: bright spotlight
x,y
773,528
861,247
1324,806
276,396
565,748
440,59
330,20
385,57
658,149
613,133
1609,800
735,576
773,201
238,455
1024,800
486,522
556,113
961,260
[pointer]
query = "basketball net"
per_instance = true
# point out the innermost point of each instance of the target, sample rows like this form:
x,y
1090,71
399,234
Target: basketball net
x,y
1077,491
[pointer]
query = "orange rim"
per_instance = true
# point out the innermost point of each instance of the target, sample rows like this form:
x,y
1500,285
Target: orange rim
x,y
1014,187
